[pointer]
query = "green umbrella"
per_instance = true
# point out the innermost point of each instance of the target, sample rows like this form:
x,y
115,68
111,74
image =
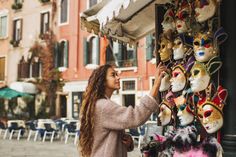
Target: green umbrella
x,y
8,93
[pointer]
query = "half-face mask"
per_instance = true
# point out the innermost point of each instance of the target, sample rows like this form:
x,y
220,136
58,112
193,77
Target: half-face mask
x,y
165,82
204,9
182,22
165,49
203,47
168,23
211,111
201,74
184,113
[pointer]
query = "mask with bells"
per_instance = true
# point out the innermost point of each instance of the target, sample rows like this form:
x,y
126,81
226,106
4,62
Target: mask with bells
x,y
184,113
165,48
168,24
201,74
210,112
166,109
183,13
204,9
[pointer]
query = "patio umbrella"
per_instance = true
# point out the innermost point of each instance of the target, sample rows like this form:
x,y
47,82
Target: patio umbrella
x,y
7,93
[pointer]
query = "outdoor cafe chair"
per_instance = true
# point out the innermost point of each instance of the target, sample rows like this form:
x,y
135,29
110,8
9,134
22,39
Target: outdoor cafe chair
x,y
49,130
71,129
15,126
137,133
32,130
2,127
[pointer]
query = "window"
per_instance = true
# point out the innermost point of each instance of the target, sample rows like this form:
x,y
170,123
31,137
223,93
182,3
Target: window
x,y
2,68
128,92
122,55
150,46
3,26
44,23
17,29
91,51
128,85
61,54
64,11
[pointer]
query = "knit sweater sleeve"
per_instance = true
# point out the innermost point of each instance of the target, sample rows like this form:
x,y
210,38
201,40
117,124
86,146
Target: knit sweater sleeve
x,y
118,117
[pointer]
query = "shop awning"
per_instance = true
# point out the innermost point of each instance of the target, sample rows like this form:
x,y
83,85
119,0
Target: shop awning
x,y
7,93
24,87
125,20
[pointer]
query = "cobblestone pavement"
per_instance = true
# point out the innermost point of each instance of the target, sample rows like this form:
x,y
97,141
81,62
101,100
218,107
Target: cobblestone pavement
x,y
24,148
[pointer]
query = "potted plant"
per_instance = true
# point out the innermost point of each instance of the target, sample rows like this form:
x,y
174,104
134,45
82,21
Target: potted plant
x,y
16,6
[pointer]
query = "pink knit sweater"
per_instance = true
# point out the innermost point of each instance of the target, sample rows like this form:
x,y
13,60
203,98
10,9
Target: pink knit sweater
x,y
110,121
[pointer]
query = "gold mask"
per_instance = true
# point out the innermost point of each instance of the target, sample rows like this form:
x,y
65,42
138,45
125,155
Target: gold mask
x,y
165,49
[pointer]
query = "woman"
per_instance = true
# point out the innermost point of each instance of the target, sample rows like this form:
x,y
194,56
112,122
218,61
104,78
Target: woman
x,y
103,121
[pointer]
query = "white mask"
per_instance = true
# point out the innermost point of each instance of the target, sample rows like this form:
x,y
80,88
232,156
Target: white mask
x,y
168,23
204,11
200,78
165,114
179,49
178,80
165,82
184,116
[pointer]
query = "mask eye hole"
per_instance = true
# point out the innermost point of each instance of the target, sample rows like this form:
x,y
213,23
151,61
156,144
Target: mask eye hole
x,y
196,72
184,15
196,43
207,43
207,113
178,43
182,107
163,46
175,74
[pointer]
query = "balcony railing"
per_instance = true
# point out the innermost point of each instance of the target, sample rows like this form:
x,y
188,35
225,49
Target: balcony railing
x,y
16,6
124,63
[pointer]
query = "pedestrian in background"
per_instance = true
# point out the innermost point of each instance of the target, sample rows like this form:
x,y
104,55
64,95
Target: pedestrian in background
x,y
103,121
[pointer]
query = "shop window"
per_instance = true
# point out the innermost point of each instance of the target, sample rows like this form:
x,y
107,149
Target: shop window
x,y
64,11
3,26
44,23
91,51
2,68
76,103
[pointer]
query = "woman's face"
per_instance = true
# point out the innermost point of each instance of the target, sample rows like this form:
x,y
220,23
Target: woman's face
x,y
165,114
178,80
112,79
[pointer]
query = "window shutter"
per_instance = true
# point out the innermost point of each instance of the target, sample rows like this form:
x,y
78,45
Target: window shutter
x,y
41,23
135,63
98,50
35,69
66,53
14,30
149,47
19,71
119,55
21,29
85,43
56,53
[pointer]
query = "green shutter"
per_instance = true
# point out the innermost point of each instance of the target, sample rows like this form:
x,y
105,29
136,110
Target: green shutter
x,y
149,47
66,54
98,50
56,53
85,43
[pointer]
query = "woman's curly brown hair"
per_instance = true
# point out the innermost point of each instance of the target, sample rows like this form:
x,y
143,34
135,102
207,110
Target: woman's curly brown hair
x,y
94,91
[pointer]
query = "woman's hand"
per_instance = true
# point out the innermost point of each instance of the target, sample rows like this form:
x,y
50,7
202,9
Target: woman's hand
x,y
128,141
158,76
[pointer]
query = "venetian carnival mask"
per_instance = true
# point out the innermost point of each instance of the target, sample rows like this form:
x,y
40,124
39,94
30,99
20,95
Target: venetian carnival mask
x,y
165,82
165,49
203,47
211,112
200,77
165,113
182,22
184,113
204,9
178,79
168,23
179,49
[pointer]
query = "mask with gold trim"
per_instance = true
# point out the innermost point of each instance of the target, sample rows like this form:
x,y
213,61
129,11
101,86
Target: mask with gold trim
x,y
211,111
183,13
204,9
165,48
203,47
